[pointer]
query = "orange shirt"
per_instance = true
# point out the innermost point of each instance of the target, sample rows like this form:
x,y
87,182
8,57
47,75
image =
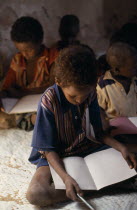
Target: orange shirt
x,y
53,53
17,76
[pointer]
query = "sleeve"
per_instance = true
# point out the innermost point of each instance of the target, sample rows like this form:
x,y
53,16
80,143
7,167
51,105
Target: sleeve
x,y
45,132
53,53
10,79
102,97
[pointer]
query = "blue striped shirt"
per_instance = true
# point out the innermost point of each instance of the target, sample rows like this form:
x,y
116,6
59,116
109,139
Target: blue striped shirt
x,y
60,128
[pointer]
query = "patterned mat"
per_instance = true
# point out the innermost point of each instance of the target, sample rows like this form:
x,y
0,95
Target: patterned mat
x,y
16,173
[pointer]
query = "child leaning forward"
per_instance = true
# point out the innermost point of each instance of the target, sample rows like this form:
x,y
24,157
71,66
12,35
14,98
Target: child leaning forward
x,y
68,124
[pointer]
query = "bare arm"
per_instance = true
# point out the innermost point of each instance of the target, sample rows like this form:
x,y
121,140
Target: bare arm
x,y
71,185
3,94
104,118
123,148
127,155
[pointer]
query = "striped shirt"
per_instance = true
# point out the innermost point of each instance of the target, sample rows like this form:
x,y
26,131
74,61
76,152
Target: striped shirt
x,y
113,98
60,128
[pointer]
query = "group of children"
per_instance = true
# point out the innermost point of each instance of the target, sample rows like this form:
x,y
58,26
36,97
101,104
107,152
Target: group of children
x,y
73,114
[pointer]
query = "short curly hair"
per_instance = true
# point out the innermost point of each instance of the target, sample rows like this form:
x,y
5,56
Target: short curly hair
x,y
118,53
69,26
76,65
27,29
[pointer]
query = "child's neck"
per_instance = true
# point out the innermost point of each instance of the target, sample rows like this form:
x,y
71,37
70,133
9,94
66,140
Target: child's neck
x,y
121,77
124,81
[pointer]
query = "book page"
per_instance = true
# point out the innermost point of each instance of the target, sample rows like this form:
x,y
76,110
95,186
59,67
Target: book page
x,y
124,125
75,167
8,103
26,104
108,167
133,120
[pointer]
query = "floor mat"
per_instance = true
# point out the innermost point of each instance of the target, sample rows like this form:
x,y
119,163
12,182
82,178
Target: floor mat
x,y
16,173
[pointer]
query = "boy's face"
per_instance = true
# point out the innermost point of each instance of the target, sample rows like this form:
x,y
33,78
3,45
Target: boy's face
x,y
75,95
130,68
27,49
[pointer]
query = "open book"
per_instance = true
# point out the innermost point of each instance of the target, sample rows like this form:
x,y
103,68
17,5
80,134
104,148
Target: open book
x,y
25,104
96,170
124,125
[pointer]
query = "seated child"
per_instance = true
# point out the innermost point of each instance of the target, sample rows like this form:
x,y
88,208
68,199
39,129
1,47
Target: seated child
x,y
68,31
68,124
117,89
28,72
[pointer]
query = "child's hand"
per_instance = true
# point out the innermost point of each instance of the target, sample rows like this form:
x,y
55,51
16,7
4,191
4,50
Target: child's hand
x,y
72,188
130,158
1,106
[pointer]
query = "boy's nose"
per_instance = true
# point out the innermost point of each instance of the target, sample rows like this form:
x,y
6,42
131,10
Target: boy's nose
x,y
25,54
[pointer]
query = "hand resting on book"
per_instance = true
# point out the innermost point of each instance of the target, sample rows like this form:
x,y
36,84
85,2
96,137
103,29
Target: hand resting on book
x,y
72,188
130,158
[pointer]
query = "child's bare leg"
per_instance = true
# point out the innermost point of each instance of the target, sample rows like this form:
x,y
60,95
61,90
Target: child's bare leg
x,y
41,192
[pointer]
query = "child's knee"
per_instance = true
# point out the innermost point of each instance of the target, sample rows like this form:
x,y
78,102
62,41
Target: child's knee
x,y
38,196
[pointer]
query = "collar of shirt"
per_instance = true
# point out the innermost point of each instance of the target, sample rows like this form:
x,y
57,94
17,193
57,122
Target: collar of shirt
x,y
108,75
43,56
65,103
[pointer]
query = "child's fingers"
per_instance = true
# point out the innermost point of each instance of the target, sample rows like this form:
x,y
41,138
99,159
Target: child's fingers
x,y
134,161
129,162
78,190
72,189
71,193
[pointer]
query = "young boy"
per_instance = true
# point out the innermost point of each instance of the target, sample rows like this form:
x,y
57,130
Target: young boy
x,y
68,124
68,32
117,89
28,72
69,28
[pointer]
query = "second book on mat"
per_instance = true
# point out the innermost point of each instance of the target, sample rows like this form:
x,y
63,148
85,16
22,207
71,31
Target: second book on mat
x,y
25,104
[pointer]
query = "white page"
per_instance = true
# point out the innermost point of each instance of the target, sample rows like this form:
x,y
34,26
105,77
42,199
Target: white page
x,y
9,103
26,104
108,167
133,120
76,167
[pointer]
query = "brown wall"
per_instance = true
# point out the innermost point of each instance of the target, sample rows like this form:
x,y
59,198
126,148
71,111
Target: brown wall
x,y
98,19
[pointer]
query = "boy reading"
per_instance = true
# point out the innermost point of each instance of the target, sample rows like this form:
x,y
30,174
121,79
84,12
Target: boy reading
x,y
68,124
28,73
